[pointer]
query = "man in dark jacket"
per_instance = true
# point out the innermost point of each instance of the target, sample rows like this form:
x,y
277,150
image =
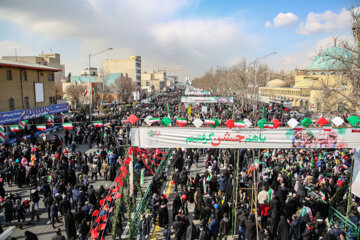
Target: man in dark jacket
x,y
295,229
214,227
250,227
179,228
225,225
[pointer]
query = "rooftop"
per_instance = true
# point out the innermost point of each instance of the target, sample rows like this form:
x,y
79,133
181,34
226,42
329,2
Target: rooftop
x,y
34,66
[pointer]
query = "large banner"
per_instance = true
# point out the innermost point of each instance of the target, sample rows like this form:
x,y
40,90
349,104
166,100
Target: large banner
x,y
197,93
207,99
175,137
355,187
18,115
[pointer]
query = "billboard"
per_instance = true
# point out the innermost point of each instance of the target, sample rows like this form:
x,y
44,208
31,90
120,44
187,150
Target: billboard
x,y
174,137
39,92
207,99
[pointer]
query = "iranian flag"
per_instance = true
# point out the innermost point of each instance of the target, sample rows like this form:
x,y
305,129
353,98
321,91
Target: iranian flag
x,y
124,121
2,133
22,124
15,128
269,125
61,114
85,92
345,166
181,121
327,128
299,127
67,125
41,127
322,195
210,121
239,124
107,125
154,120
98,124
356,129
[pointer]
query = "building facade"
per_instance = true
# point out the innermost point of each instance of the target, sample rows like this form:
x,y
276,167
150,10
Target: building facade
x,y
26,85
153,81
130,67
50,60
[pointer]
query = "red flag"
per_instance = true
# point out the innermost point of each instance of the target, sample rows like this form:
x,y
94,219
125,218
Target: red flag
x,y
95,235
106,207
124,169
112,208
95,213
102,201
118,179
108,198
116,189
102,226
122,174
104,218
118,195
98,219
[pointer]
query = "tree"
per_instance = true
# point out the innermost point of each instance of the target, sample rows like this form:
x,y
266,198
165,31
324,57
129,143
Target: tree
x,y
75,92
124,87
58,90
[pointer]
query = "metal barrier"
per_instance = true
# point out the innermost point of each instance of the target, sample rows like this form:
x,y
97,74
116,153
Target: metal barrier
x,y
350,229
135,221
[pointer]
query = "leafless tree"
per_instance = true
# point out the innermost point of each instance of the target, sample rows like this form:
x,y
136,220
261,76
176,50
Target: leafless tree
x,y
124,87
75,92
58,90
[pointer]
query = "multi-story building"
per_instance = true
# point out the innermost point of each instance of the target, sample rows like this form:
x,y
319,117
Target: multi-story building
x,y
153,81
93,72
130,67
26,85
172,81
51,60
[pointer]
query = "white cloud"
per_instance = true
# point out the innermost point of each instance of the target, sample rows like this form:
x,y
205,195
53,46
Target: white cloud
x,y
325,22
8,48
283,20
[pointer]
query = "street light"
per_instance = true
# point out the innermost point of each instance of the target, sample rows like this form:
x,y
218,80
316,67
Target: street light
x,y
254,87
90,90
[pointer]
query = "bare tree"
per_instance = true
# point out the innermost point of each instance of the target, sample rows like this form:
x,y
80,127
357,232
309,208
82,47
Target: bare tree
x,y
58,90
124,87
75,92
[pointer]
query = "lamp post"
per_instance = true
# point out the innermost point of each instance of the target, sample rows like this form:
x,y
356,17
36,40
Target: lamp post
x,y
255,75
90,89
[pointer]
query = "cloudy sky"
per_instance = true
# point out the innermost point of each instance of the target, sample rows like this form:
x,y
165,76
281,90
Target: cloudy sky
x,y
192,35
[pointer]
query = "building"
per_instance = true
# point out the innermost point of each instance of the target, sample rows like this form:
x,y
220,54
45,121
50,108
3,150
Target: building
x,y
51,60
130,68
93,72
153,81
323,86
172,81
26,85
62,72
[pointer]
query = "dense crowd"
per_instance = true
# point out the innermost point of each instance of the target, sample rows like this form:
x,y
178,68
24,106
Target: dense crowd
x,y
289,191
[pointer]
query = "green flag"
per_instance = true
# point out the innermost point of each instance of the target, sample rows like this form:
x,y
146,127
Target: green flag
x,y
168,110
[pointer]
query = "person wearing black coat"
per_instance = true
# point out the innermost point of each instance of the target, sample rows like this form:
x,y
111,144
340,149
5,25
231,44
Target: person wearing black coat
x,y
70,226
144,227
250,228
176,206
179,228
283,229
295,229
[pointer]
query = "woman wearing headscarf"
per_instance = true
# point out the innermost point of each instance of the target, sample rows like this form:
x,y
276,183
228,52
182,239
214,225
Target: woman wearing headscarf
x,y
163,212
283,229
176,206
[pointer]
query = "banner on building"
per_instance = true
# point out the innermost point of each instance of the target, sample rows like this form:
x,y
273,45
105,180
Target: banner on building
x,y
207,99
175,137
19,115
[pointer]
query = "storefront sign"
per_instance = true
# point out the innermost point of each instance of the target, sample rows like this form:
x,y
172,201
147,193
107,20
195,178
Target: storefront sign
x,y
174,137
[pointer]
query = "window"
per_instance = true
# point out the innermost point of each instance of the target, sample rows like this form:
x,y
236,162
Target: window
x,y
45,63
41,73
11,104
51,100
147,83
24,76
8,75
27,104
50,77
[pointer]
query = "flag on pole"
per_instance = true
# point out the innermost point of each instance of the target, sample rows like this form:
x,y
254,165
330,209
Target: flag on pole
x,y
15,128
107,125
322,195
327,128
239,124
50,118
2,133
22,124
85,92
154,120
23,114
209,122
61,114
98,124
41,127
181,121
67,125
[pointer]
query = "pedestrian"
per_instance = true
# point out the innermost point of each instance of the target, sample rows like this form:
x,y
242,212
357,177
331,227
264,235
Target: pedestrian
x,y
58,235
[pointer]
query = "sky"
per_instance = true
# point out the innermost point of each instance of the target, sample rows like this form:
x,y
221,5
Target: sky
x,y
187,35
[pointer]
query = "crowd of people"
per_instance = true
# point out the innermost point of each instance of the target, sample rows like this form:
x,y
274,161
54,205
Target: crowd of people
x,y
276,194
283,194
